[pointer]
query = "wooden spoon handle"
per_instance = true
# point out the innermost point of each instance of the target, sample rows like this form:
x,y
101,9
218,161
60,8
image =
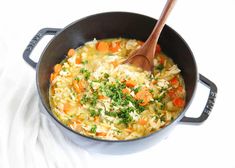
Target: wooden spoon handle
x,y
153,38
162,19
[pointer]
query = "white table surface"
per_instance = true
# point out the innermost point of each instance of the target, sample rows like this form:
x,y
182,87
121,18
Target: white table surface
x,y
207,26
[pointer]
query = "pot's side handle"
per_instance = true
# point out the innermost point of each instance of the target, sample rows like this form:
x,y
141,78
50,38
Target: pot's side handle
x,y
209,104
34,42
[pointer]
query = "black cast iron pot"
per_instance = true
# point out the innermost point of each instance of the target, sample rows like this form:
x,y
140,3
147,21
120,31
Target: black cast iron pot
x,y
111,25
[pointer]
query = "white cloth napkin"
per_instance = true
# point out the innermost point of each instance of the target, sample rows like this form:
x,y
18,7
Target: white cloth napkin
x,y
28,138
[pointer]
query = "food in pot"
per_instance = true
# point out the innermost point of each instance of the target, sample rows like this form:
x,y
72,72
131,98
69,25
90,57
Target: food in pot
x,y
94,94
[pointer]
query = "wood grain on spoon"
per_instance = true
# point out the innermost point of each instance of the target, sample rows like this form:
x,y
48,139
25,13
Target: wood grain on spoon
x,y
143,57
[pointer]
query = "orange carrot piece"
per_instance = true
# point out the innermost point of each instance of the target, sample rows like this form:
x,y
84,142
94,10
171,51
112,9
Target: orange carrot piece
x,y
75,86
71,52
115,63
161,59
174,81
154,82
144,103
102,46
180,89
102,97
114,47
143,95
97,118
101,133
52,77
142,121
179,102
78,60
125,91
79,86
53,90
172,94
129,129
57,68
130,83
77,121
79,101
67,107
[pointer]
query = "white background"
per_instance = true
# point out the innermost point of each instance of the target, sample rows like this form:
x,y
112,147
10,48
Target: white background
x,y
207,26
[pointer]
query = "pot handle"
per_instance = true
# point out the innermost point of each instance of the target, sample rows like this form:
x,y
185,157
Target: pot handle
x,y
34,42
209,104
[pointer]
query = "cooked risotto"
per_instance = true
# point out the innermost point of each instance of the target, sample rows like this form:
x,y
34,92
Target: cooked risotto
x,y
94,94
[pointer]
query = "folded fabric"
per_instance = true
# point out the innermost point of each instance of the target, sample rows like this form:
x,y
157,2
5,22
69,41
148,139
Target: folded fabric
x,y
28,139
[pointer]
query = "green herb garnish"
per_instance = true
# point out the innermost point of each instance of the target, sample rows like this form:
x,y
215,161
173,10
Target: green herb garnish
x,y
85,62
93,129
94,98
137,89
163,118
125,116
94,112
112,114
106,75
84,99
160,67
86,73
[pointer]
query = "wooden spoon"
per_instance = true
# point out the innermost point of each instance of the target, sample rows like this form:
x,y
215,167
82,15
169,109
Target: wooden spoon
x,y
143,57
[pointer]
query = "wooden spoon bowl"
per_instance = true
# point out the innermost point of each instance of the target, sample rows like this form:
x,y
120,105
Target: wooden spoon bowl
x,y
143,57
